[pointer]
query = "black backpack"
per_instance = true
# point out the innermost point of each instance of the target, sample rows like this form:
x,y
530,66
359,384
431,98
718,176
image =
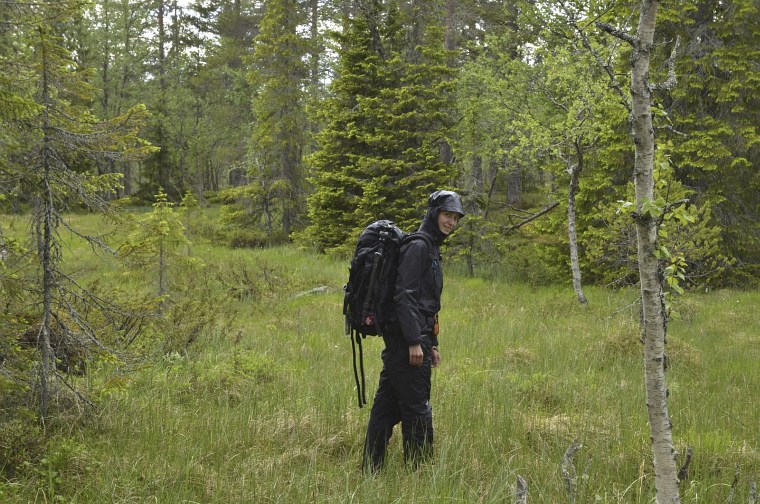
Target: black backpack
x,y
368,299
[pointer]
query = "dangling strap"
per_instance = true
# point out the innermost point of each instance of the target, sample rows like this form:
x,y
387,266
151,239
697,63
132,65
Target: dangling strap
x,y
363,399
356,338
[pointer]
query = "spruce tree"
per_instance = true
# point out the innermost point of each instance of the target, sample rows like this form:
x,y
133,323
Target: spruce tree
x,y
279,131
57,139
712,119
389,111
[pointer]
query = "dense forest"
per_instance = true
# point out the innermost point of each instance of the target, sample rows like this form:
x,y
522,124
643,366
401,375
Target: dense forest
x,y
307,120
258,124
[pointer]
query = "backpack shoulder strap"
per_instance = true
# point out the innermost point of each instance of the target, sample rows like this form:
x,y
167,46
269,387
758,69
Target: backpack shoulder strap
x,y
421,236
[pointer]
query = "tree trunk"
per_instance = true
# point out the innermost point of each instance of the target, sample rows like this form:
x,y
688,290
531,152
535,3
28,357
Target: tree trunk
x,y
45,221
653,312
47,358
575,267
514,184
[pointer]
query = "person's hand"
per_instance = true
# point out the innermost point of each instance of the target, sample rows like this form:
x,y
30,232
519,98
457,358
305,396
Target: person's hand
x,y
436,357
415,355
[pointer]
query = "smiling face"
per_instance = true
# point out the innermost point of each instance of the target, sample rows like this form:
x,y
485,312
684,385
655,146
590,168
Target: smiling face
x,y
447,221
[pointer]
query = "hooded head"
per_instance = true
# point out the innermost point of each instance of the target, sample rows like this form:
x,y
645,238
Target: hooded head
x,y
440,201
447,201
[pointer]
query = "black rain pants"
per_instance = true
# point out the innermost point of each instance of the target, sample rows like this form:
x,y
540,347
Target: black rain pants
x,y
403,395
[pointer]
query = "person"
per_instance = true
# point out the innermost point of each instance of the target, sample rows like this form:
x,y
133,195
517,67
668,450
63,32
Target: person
x,y
411,341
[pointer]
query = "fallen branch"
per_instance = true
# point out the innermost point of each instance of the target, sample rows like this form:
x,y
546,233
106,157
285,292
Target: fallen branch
x,y
316,290
683,473
733,485
521,491
568,471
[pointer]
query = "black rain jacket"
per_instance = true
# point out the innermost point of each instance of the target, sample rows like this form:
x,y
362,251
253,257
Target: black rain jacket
x,y
419,283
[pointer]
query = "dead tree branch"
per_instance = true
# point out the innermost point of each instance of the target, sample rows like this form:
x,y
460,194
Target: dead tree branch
x,y
733,485
569,473
531,218
521,491
683,473
626,37
671,81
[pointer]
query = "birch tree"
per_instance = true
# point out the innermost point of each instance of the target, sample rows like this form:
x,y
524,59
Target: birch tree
x,y
648,212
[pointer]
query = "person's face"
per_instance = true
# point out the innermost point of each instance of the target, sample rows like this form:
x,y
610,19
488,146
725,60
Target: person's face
x,y
447,221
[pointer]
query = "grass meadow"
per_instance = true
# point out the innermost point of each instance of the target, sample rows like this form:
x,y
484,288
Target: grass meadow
x,y
259,406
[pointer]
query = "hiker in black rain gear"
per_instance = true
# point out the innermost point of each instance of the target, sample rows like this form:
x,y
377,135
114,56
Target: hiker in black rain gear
x,y
411,343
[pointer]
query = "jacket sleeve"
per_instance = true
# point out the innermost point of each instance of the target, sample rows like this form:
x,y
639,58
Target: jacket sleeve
x,y
412,263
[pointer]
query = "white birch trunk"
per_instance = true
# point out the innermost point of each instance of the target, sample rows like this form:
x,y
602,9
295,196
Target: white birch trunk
x,y
653,315
575,267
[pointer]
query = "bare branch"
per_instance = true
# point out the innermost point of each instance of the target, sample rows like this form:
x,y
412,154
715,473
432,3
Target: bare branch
x,y
532,217
670,128
671,82
626,37
733,485
568,471
81,397
521,491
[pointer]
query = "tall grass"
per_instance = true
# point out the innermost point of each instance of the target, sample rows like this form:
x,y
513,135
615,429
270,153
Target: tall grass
x,y
261,407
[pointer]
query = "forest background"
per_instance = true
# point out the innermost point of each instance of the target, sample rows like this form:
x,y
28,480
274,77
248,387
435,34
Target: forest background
x,y
297,123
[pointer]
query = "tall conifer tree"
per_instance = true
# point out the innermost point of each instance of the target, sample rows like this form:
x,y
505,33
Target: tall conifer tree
x,y
57,138
280,76
389,111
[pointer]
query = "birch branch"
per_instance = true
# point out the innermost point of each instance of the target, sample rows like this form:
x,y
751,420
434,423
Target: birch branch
x,y
599,61
626,37
671,81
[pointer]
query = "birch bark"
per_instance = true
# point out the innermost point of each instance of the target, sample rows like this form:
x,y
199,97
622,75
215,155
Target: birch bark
x,y
653,313
575,268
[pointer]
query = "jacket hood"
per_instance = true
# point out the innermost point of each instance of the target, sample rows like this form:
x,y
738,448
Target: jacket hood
x,y
446,200
430,227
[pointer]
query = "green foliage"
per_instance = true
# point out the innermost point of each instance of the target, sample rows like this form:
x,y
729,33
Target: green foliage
x,y
279,133
378,154
250,213
686,231
269,382
155,240
22,443
713,113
